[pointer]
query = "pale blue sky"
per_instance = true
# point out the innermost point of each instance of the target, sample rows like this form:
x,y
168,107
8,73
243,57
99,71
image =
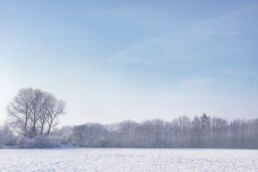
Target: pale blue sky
x,y
116,60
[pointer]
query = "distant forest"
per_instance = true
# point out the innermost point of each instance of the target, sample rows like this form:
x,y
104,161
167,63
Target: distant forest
x,y
201,132
34,116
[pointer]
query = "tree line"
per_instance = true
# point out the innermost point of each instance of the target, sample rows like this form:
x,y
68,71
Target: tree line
x,y
200,132
34,115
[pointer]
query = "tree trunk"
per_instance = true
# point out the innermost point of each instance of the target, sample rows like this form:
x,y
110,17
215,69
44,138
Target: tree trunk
x,y
42,129
49,129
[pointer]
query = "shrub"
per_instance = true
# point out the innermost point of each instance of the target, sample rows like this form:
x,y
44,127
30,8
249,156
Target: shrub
x,y
38,142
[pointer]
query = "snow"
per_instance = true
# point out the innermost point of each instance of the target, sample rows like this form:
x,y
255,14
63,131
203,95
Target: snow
x,y
127,160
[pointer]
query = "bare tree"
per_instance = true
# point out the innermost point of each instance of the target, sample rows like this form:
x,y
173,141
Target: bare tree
x,y
20,109
55,109
44,112
37,107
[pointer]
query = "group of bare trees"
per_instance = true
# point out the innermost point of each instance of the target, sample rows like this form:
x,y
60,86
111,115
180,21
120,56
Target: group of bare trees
x,y
34,112
199,132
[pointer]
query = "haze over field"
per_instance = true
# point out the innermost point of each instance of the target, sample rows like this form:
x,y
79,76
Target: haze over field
x,y
117,60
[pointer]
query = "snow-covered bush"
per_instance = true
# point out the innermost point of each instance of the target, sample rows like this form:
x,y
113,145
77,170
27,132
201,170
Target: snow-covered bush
x,y
38,142
1,137
64,135
1,141
45,142
24,142
7,136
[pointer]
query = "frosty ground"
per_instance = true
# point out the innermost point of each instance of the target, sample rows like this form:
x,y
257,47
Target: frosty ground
x,y
127,160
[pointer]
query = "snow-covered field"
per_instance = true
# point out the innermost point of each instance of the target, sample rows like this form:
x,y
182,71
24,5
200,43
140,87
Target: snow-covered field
x,y
128,160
